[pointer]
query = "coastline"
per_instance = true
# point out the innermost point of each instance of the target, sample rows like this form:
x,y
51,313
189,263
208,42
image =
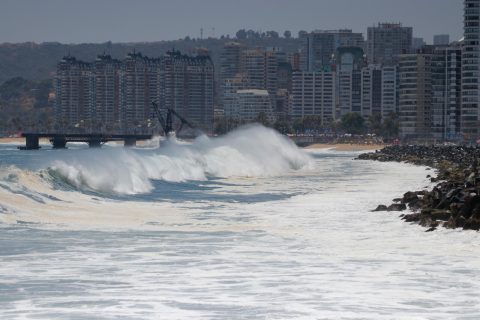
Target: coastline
x,y
21,141
454,202
349,147
12,140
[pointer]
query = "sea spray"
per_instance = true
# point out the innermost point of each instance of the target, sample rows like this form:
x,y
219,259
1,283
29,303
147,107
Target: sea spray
x,y
251,151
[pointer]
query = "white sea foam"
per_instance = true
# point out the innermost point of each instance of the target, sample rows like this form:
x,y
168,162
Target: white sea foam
x,y
318,254
252,151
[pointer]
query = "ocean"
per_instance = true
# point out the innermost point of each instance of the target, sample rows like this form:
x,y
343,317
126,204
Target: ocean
x,y
245,226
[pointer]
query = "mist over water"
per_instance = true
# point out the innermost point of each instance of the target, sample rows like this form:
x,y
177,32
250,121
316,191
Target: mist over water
x,y
245,226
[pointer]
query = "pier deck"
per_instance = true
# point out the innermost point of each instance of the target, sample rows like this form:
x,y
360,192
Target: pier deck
x,y
94,140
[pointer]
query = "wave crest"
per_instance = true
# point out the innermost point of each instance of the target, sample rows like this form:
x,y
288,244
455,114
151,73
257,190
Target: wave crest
x,y
252,151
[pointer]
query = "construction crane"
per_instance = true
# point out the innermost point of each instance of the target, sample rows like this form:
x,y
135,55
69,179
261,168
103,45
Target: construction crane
x,y
167,122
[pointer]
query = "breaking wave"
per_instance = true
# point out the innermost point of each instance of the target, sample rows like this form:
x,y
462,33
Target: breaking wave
x,y
252,151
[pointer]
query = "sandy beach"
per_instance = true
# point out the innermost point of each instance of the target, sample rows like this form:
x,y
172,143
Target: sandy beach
x,y
12,140
347,147
20,141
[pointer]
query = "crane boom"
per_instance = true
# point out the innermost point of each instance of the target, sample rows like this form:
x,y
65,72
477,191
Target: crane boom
x,y
167,123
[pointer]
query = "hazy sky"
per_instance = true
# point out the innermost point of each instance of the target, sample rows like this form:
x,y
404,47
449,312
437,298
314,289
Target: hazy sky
x,y
149,20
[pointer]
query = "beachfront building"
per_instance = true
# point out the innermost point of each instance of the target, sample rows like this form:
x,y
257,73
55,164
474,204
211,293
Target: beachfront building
x,y
111,95
314,94
387,41
138,88
186,84
74,83
470,108
106,73
415,95
371,90
251,105
446,90
349,64
389,85
231,86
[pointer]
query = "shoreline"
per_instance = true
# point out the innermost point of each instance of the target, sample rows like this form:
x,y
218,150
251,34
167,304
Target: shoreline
x,y
346,146
454,202
21,141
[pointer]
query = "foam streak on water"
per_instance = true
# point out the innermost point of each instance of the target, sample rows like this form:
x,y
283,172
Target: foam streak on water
x,y
291,244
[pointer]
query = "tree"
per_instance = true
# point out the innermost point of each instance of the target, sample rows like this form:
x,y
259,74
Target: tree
x,y
272,34
298,126
312,123
390,126
375,123
14,88
302,33
241,34
287,34
252,34
353,123
262,119
282,127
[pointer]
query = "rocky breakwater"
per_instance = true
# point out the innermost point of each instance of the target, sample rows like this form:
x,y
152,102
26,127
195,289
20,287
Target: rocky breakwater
x,y
454,202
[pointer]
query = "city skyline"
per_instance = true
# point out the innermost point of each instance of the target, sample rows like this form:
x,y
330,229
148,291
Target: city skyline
x,y
146,20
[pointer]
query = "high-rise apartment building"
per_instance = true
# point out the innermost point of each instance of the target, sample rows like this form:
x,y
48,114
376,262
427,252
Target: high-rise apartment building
x,y
371,90
138,88
106,73
314,94
389,90
186,84
319,47
230,88
379,90
418,43
250,104
349,63
387,41
415,104
74,83
230,59
116,95
441,40
470,108
258,69
446,90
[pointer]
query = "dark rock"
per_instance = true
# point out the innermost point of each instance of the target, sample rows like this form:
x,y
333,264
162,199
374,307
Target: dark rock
x,y
409,197
450,224
455,199
472,224
381,208
414,217
397,207
443,215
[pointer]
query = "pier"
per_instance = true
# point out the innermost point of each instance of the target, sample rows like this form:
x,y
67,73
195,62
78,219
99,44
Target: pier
x,y
94,140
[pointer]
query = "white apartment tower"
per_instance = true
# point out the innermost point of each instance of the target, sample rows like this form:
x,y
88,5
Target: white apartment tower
x,y
314,94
